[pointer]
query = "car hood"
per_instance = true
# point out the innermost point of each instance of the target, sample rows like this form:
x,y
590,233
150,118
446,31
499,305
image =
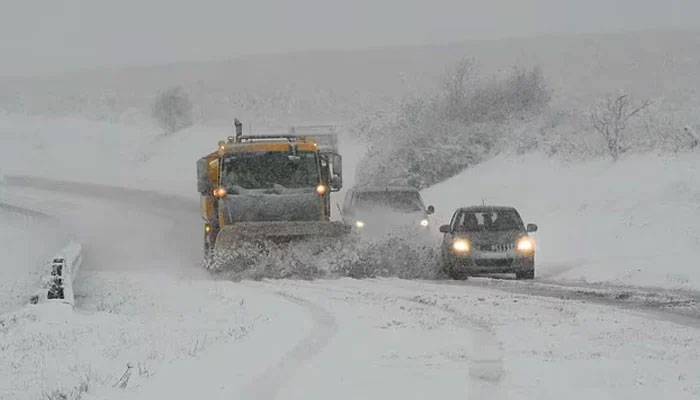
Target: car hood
x,y
493,237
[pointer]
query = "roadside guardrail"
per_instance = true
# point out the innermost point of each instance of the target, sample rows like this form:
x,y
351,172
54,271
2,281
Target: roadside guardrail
x,y
59,276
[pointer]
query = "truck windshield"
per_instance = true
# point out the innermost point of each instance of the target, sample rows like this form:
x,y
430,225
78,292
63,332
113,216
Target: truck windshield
x,y
265,170
405,201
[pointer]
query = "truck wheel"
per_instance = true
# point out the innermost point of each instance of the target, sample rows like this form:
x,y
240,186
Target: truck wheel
x,y
525,275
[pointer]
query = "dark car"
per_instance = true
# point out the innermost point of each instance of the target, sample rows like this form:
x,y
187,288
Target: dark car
x,y
381,210
488,239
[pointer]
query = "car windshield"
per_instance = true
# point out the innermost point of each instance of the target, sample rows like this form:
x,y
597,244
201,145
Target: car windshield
x,y
265,170
488,220
405,201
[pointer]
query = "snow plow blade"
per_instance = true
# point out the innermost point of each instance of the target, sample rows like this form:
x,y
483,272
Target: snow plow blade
x,y
282,231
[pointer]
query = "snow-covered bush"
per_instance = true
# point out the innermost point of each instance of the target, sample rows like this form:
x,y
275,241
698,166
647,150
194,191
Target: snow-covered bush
x,y
172,110
430,138
665,131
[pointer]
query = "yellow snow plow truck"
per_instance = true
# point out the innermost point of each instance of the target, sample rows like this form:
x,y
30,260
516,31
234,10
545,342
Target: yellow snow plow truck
x,y
267,189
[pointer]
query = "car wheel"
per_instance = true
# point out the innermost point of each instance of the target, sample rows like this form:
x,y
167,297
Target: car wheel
x,y
454,273
459,276
525,275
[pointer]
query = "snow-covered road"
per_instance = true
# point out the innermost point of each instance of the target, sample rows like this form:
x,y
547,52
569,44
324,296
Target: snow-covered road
x,y
150,323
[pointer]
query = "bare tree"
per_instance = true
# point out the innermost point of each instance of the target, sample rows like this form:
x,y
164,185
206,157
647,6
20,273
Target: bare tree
x,y
454,83
172,110
692,135
610,120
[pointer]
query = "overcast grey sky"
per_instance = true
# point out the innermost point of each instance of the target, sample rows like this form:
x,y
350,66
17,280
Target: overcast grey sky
x,y
46,36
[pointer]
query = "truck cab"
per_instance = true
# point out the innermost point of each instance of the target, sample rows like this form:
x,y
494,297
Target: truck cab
x,y
270,186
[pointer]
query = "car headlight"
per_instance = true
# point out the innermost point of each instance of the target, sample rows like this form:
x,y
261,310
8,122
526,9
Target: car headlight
x,y
461,246
526,244
359,224
424,222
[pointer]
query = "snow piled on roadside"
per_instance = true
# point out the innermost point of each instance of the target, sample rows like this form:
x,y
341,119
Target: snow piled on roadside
x,y
635,222
135,328
26,245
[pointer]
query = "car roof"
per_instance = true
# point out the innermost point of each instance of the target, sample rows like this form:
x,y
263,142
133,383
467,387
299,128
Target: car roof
x,y
486,208
384,189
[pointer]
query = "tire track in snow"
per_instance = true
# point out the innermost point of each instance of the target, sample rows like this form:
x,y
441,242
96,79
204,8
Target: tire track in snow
x,y
677,306
486,367
267,385
486,359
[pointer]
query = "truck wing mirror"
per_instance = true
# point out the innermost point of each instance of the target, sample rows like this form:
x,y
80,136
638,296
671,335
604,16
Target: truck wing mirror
x,y
337,161
532,227
444,228
336,183
204,185
430,210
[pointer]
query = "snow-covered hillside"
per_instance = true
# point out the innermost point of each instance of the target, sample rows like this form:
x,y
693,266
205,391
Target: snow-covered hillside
x,y
634,222
76,149
296,87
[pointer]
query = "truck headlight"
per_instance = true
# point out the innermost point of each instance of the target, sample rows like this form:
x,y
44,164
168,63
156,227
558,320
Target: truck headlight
x,y
424,222
525,245
461,246
359,224
220,192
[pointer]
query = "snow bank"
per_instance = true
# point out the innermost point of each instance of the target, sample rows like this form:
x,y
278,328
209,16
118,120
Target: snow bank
x,y
27,241
634,222
130,328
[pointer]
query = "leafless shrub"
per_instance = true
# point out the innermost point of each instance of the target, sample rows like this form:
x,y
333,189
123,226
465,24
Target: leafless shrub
x,y
610,119
172,110
75,393
432,137
454,85
692,136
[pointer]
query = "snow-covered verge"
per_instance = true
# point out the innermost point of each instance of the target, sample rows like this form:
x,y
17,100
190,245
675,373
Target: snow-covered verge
x,y
130,328
27,242
634,222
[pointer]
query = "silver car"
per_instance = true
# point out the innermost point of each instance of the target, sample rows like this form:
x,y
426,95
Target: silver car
x,y
488,239
382,211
